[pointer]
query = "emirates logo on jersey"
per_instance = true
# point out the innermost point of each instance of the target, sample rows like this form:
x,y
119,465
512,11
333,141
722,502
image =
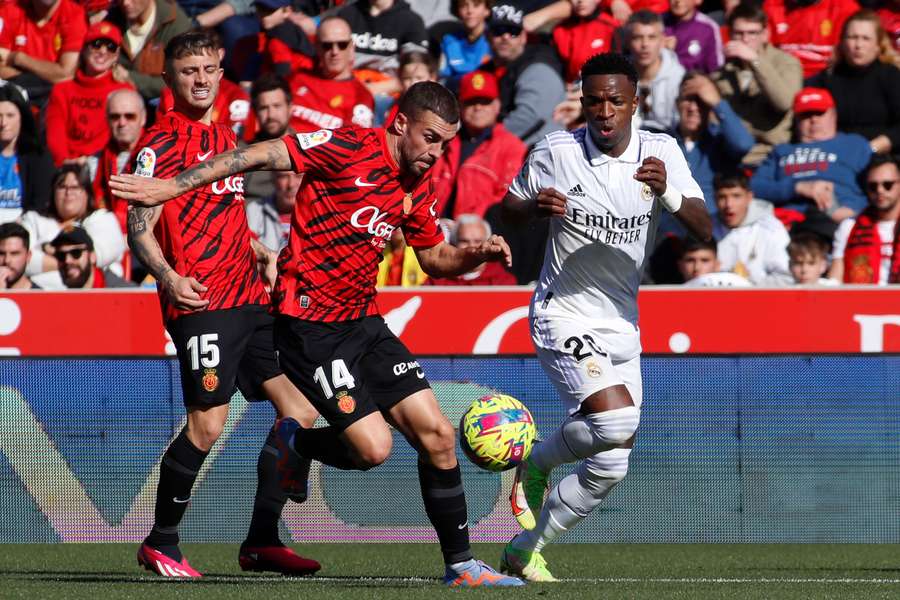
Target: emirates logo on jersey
x,y
370,219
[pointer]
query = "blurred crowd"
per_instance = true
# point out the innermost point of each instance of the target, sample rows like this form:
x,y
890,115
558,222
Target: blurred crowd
x,y
787,111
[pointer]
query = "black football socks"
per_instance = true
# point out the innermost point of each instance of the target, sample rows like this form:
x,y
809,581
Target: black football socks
x,y
270,498
445,505
180,465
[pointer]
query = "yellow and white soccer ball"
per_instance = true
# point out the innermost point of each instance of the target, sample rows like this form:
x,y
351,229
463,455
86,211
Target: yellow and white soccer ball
x,y
497,432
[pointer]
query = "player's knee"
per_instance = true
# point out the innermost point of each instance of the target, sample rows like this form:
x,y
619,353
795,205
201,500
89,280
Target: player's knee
x,y
441,439
204,433
613,428
373,453
598,473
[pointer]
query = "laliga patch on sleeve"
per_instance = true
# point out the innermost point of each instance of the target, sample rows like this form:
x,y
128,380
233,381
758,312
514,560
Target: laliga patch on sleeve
x,y
146,163
316,138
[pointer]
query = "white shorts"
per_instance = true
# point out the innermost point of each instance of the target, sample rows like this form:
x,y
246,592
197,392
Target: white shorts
x,y
573,357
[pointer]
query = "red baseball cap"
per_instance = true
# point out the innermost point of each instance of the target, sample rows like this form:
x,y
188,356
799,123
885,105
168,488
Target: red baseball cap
x,y
104,30
478,84
812,99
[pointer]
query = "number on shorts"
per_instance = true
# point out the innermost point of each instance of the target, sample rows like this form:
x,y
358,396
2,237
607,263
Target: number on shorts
x,y
340,377
204,352
577,346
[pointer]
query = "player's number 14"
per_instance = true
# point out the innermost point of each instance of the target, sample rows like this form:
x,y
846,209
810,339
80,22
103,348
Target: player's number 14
x,y
340,377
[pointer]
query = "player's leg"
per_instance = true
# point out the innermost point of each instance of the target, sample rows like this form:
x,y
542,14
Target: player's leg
x,y
419,419
208,346
572,358
578,494
322,360
400,389
260,377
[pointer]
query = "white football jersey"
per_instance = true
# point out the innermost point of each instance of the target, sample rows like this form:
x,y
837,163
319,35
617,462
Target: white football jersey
x,y
595,254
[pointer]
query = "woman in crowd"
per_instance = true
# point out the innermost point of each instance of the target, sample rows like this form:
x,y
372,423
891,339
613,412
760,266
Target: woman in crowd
x,y
73,203
24,164
865,82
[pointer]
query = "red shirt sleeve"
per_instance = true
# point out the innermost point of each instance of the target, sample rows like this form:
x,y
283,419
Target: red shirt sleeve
x,y
56,119
322,153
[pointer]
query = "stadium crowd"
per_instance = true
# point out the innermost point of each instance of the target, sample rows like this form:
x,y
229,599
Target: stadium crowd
x,y
787,111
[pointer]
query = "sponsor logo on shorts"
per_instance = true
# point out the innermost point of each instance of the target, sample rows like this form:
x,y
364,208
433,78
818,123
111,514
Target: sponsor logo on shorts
x,y
346,403
210,380
405,367
593,369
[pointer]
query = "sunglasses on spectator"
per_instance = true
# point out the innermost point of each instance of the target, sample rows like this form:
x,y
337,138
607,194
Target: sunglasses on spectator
x,y
75,253
110,45
501,30
328,46
873,186
130,117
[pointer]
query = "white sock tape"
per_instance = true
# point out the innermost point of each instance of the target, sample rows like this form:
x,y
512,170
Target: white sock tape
x,y
672,198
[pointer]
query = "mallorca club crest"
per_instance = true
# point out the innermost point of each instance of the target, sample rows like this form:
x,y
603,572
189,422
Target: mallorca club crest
x,y
861,271
346,403
210,380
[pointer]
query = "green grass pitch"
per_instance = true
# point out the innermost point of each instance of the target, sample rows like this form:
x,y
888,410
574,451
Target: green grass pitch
x,y
657,571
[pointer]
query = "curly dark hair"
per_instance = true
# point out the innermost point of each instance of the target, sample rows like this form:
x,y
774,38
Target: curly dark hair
x,y
610,63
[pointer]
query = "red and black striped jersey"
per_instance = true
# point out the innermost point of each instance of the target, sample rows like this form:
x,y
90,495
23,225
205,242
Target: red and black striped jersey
x,y
350,202
204,233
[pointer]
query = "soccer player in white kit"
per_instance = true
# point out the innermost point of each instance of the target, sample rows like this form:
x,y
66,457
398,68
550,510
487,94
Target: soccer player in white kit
x,y
603,187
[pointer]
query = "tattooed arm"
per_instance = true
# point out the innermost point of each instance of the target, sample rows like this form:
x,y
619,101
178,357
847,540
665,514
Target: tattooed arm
x,y
146,191
184,292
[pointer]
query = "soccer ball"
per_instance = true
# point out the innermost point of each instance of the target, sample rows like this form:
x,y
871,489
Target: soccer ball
x,y
497,432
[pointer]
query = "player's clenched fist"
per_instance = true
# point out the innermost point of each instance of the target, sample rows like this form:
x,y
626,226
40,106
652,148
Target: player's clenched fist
x,y
184,292
653,172
551,203
496,249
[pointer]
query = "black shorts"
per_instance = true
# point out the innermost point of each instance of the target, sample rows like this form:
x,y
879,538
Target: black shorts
x,y
348,369
220,351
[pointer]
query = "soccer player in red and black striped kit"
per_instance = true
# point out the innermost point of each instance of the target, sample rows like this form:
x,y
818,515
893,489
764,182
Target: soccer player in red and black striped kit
x,y
214,304
358,186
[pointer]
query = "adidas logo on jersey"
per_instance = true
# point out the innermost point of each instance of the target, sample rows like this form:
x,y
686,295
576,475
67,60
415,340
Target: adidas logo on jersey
x,y
577,192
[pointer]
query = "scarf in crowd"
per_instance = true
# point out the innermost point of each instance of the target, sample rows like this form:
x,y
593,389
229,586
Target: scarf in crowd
x,y
862,257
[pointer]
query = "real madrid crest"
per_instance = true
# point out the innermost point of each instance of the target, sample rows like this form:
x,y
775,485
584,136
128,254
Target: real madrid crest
x,y
646,193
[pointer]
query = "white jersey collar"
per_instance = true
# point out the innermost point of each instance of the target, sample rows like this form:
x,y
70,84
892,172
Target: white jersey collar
x,y
597,157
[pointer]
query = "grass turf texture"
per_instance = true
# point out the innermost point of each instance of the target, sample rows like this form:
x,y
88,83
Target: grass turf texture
x,y
108,571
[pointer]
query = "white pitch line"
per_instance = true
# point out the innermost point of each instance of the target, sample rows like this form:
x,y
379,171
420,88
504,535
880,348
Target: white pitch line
x,y
674,580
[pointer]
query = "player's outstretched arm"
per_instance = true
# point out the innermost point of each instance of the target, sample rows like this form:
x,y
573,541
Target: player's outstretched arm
x,y
271,155
444,260
184,292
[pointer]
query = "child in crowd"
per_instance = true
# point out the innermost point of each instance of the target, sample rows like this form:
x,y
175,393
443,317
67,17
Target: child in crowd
x,y
809,259
465,50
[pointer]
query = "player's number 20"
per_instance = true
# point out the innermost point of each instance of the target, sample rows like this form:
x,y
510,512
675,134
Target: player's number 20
x,y
340,377
575,345
203,351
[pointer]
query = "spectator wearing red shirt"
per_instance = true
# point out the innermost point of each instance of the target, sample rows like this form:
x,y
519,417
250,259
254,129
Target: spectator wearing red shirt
x,y
470,232
125,118
231,108
475,171
808,29
587,32
39,43
622,9
281,46
76,110
331,97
